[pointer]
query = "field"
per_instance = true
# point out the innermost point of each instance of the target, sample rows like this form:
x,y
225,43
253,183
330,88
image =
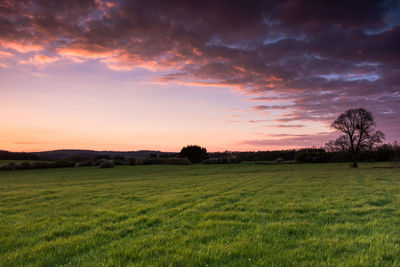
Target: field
x,y
216,215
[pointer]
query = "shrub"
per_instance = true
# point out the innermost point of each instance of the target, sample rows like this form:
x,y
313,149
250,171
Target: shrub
x,y
170,161
119,162
42,164
213,161
62,164
384,152
132,161
8,167
38,165
86,163
223,160
311,156
195,154
100,157
23,166
106,164
80,158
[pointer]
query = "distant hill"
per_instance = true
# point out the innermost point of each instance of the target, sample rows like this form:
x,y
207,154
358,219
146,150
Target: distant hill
x,y
67,153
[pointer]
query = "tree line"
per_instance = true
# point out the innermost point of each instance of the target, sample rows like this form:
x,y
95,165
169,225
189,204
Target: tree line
x,y
359,141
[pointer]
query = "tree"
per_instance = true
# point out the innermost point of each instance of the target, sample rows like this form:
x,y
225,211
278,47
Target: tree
x,y
358,126
196,154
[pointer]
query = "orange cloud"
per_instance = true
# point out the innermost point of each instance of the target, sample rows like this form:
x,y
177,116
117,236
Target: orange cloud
x,y
21,47
85,51
40,60
6,54
44,59
103,5
125,62
204,84
197,52
239,68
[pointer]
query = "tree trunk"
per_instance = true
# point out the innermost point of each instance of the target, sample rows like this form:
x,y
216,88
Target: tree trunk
x,y
355,164
354,156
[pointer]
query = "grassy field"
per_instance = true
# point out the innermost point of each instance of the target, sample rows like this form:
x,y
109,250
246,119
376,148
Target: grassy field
x,y
216,215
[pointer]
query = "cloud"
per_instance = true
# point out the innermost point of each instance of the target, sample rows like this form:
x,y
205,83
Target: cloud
x,y
85,51
39,60
290,141
24,47
278,107
6,54
290,126
258,121
321,57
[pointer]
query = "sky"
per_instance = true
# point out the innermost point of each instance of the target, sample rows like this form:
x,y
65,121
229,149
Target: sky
x,y
227,75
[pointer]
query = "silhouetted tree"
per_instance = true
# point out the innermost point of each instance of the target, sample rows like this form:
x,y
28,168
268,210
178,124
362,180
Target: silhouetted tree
x,y
195,154
358,126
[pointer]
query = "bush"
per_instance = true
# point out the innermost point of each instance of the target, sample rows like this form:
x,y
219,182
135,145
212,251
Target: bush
x,y
195,154
63,164
42,164
311,156
170,161
119,162
86,163
54,164
23,166
38,165
132,161
223,160
80,158
8,167
104,163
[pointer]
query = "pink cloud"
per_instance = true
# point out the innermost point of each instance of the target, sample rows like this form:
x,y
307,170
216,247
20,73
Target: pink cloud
x,y
40,60
290,141
258,121
290,126
6,54
85,51
23,47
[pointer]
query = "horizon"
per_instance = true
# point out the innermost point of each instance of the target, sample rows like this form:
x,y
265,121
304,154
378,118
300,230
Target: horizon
x,y
161,151
227,76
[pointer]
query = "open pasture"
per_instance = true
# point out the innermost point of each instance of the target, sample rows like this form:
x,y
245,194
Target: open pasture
x,y
215,215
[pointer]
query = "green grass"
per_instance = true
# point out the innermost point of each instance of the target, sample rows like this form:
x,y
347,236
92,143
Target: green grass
x,y
215,215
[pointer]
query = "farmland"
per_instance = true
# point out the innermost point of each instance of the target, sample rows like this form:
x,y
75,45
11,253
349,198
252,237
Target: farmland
x,y
235,215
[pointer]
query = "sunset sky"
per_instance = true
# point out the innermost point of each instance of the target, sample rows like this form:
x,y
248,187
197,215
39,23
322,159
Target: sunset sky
x,y
227,75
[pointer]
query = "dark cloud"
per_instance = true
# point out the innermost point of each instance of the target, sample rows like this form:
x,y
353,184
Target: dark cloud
x,y
322,57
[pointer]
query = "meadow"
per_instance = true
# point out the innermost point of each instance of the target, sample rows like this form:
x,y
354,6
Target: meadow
x,y
201,215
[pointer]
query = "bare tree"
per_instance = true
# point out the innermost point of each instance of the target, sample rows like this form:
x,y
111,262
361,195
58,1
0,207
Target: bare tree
x,y
358,126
